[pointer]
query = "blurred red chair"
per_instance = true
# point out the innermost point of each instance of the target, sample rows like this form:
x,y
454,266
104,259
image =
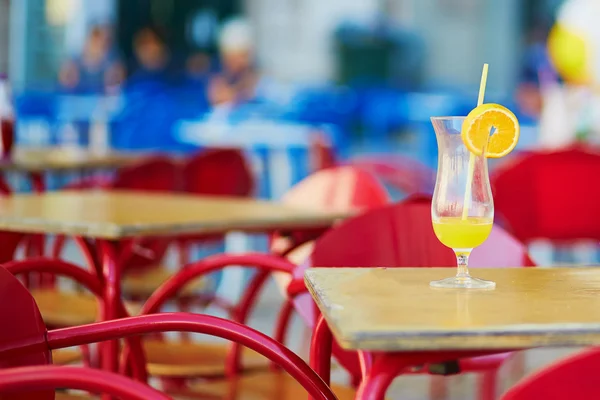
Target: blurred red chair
x,y
401,235
219,172
550,195
574,378
39,383
14,351
402,174
344,189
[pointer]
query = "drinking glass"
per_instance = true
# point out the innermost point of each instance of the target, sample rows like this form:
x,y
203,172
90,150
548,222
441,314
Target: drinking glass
x,y
462,210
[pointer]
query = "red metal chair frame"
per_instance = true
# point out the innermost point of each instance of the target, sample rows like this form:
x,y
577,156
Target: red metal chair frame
x,y
44,378
263,263
534,191
573,378
131,327
365,193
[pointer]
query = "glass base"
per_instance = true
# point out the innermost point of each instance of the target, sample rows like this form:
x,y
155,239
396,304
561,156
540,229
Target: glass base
x,y
463,282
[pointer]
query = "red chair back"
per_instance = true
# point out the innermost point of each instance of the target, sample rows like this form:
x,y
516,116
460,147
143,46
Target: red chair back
x,y
26,328
339,189
574,378
156,174
343,189
223,172
401,235
550,195
402,174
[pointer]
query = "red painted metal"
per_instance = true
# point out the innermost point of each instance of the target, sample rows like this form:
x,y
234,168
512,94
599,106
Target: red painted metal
x,y
204,324
241,315
37,181
387,366
320,350
283,320
5,189
88,281
263,263
112,299
532,193
22,381
170,288
214,172
223,172
573,378
57,267
154,174
23,327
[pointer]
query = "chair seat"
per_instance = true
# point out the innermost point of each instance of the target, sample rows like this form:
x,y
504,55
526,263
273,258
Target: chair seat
x,y
70,396
192,359
64,309
66,356
257,386
144,283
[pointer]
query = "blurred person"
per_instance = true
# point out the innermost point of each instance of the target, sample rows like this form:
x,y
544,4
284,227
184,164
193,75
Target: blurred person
x,y
97,69
239,79
537,68
198,66
152,55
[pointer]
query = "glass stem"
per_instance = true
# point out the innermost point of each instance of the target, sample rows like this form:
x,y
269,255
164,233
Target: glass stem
x,y
462,260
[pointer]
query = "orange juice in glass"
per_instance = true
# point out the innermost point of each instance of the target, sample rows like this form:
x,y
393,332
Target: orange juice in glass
x,y
462,210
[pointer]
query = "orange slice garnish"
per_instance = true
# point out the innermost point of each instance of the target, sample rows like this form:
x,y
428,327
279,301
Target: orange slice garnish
x,y
479,124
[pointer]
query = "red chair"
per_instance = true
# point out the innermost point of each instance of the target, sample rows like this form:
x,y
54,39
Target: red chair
x,y
401,235
345,189
15,351
222,172
154,174
573,378
550,195
174,359
402,174
39,383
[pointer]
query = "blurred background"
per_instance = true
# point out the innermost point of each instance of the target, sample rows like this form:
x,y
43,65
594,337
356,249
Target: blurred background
x,y
369,73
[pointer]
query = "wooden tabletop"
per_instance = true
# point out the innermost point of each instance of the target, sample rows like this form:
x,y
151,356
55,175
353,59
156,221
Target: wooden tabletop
x,y
396,310
119,214
56,159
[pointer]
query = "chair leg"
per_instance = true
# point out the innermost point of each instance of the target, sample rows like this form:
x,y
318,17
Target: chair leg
x,y
488,385
517,366
438,387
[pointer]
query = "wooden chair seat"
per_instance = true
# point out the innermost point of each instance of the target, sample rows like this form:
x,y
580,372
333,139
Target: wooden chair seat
x,y
66,356
256,386
144,283
71,396
64,309
193,359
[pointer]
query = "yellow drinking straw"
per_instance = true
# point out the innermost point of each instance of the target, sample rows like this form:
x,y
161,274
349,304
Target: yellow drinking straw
x,y
471,170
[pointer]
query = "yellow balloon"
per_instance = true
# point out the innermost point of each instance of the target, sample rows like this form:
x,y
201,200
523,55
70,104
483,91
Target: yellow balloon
x,y
569,54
